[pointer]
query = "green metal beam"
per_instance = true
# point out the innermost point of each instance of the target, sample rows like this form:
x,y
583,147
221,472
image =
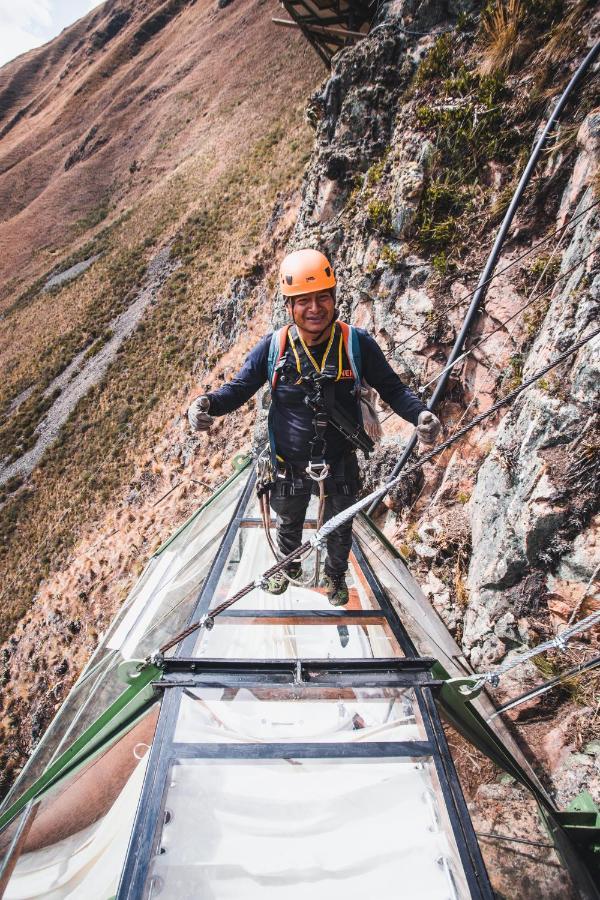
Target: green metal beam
x,y
128,706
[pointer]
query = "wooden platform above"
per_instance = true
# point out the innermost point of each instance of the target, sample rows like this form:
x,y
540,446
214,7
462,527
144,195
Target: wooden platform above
x,y
329,25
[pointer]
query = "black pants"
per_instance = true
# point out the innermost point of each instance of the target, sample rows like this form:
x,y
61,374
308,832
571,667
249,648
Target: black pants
x,y
290,498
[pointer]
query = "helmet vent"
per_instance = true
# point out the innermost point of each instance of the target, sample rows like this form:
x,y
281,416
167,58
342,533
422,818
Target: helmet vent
x,y
288,279
328,271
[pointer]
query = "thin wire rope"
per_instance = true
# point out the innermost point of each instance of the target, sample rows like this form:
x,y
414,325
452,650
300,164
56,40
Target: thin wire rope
x,y
493,365
559,643
532,300
339,519
584,596
504,323
457,425
546,686
533,297
495,275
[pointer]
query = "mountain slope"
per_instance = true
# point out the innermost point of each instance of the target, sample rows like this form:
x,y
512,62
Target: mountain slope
x,y
149,162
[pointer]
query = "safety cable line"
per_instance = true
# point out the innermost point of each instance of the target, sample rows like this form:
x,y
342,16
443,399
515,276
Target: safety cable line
x,y
503,324
585,595
501,235
557,643
547,686
207,620
449,366
488,378
380,492
497,274
513,840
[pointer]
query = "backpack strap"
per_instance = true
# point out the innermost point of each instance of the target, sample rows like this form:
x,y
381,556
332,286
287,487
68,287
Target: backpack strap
x,y
276,351
352,348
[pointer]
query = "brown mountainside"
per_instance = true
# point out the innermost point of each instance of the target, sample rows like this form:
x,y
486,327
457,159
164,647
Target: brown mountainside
x,y
157,147
118,101
154,163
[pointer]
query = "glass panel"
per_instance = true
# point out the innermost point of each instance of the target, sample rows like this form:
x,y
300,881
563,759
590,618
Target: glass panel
x,y
321,715
251,639
159,605
250,555
301,827
429,634
76,845
173,576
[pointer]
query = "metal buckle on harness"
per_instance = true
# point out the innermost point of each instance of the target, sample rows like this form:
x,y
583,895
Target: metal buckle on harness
x,y
318,471
265,476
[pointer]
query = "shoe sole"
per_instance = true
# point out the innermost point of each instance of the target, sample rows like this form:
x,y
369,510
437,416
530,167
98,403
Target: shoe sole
x,y
338,602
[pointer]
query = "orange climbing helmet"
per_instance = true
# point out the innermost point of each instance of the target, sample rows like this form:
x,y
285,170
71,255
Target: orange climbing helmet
x,y
304,271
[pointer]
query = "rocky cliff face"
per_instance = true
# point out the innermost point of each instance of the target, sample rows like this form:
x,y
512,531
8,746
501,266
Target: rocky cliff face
x,y
412,170
420,134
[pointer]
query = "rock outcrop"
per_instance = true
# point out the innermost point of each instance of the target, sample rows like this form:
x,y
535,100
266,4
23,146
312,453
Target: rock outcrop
x,y
525,483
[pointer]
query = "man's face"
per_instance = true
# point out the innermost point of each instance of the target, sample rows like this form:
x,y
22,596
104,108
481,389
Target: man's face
x,y
312,312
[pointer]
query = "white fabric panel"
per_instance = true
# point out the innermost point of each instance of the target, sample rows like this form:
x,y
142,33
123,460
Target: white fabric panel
x,y
87,865
298,828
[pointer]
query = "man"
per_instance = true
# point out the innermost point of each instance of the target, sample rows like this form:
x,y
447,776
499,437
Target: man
x,y
315,368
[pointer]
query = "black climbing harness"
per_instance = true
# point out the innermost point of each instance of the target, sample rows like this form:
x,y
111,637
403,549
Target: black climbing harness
x,y
298,366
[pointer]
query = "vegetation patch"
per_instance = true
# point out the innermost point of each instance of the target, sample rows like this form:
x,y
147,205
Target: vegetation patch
x,y
93,457
481,118
465,119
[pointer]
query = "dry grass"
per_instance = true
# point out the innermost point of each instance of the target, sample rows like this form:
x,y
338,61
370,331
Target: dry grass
x,y
472,766
94,456
566,37
502,36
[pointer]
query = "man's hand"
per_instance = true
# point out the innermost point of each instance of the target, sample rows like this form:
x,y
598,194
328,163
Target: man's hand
x,y
428,427
198,414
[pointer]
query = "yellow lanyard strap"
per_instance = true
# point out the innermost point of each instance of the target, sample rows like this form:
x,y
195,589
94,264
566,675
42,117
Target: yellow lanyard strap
x,y
313,361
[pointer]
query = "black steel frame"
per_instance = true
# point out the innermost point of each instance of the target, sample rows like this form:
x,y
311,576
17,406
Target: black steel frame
x,y
183,671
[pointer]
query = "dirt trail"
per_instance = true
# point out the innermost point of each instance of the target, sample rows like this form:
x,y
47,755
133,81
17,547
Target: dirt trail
x,y
81,374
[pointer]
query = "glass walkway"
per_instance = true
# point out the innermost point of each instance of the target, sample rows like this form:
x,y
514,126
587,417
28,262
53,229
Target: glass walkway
x,y
294,750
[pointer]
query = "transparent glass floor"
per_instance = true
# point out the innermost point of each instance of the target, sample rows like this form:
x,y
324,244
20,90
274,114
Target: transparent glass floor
x,y
314,714
299,827
250,555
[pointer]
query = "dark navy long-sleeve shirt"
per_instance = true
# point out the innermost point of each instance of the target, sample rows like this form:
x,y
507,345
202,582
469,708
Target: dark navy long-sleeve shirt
x,y
292,420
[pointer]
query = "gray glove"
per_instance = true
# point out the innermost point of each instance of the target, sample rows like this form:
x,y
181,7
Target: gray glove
x,y
198,414
428,427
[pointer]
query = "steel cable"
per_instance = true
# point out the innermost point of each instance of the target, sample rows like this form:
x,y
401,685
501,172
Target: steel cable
x,y
207,620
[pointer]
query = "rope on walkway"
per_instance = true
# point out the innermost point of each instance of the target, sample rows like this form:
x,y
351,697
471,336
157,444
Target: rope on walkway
x,y
319,538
